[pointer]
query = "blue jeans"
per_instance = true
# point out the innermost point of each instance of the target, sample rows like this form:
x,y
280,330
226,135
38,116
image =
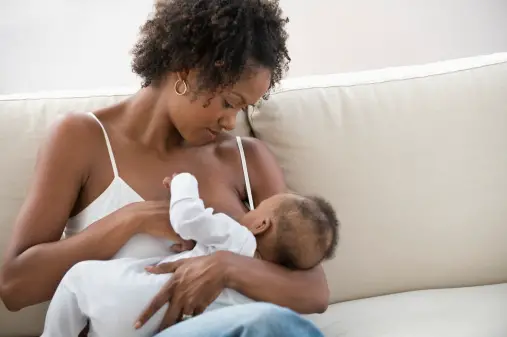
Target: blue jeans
x,y
246,320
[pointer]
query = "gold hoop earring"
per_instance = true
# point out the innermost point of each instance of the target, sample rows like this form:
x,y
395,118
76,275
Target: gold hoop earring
x,y
177,85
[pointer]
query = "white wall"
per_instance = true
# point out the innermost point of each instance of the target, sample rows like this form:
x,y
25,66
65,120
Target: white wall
x,y
85,44
369,34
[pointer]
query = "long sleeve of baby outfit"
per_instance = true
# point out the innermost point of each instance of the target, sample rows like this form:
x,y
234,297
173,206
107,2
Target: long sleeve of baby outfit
x,y
193,221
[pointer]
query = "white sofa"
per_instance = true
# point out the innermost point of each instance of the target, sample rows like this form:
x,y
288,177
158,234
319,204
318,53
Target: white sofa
x,y
413,158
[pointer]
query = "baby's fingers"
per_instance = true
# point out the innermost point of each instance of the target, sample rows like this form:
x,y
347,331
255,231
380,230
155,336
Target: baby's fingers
x,y
167,182
176,248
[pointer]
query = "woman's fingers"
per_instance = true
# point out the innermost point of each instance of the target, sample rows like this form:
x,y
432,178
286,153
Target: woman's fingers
x,y
199,309
196,282
180,305
164,268
162,297
173,314
189,310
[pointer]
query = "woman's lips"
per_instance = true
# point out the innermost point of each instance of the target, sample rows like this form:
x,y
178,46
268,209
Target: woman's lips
x,y
213,133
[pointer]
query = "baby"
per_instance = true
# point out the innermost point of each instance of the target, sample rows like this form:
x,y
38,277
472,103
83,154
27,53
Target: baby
x,y
291,230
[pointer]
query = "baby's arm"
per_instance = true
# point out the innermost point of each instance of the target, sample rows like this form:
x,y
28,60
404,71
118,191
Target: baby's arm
x,y
193,221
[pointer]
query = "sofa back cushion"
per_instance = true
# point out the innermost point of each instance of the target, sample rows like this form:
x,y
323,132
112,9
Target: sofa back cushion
x,y
414,159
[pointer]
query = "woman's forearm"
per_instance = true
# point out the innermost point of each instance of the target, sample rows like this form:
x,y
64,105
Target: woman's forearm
x,y
302,291
22,284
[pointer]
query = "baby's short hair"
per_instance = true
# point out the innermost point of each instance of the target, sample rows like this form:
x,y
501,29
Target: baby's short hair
x,y
307,232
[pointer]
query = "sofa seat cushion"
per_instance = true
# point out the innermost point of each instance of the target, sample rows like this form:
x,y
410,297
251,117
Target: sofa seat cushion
x,y
458,312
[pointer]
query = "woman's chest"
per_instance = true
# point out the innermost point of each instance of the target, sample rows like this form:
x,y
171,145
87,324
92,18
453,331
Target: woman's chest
x,y
221,183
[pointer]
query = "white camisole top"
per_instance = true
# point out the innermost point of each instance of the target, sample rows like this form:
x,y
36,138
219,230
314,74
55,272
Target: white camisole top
x,y
119,194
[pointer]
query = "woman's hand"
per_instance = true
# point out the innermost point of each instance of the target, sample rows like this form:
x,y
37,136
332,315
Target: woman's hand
x,y
150,217
195,284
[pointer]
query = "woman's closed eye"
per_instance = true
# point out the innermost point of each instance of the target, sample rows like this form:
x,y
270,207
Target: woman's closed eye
x,y
245,109
227,105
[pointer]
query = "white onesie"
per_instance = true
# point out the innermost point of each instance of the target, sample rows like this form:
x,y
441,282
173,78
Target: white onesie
x,y
112,294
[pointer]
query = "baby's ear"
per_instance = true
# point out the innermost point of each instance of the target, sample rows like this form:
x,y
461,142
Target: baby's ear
x,y
261,226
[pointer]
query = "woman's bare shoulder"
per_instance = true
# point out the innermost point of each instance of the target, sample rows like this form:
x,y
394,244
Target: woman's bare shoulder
x,y
69,146
74,134
60,172
254,148
74,125
265,174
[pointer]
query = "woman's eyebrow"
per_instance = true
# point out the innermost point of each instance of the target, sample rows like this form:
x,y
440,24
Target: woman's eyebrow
x,y
243,100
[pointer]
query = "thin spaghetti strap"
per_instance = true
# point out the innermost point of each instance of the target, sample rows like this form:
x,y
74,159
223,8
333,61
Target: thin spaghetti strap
x,y
245,172
108,144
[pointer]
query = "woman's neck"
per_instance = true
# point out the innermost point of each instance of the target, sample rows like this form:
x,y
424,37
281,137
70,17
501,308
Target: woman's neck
x,y
148,121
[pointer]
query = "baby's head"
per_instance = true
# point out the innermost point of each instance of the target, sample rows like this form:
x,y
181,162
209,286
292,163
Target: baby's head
x,y
295,231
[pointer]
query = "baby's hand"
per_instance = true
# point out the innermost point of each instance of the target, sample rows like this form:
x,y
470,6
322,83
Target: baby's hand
x,y
167,181
182,246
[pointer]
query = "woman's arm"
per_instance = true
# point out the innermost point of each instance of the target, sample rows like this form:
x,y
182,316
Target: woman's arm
x,y
32,276
36,258
305,292
302,291
35,253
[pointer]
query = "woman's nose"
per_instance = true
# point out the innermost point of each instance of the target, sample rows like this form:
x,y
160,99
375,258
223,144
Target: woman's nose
x,y
228,123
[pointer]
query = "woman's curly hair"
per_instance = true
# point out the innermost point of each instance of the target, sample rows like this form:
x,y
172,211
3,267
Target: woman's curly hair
x,y
221,39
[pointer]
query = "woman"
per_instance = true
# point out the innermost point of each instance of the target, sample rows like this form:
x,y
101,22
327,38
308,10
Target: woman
x,y
98,176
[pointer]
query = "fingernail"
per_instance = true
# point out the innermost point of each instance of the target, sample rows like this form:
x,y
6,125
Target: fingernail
x,y
137,325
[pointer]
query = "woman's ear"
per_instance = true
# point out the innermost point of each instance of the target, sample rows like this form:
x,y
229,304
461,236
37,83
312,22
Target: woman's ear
x,y
261,226
184,75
